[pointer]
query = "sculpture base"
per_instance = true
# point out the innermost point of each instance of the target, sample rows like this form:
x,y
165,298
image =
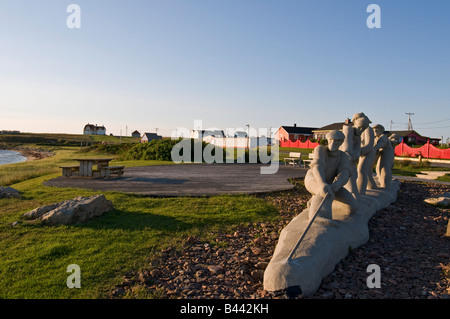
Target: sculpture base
x,y
325,244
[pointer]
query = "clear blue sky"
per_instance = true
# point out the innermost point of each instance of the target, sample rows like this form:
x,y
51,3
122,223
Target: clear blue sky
x,y
163,64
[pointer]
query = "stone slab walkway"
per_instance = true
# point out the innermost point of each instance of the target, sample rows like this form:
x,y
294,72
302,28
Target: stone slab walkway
x,y
189,180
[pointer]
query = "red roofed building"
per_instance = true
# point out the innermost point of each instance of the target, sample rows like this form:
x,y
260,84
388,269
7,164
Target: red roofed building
x,y
293,133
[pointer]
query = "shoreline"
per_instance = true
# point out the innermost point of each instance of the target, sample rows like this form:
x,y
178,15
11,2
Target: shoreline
x,y
29,154
33,155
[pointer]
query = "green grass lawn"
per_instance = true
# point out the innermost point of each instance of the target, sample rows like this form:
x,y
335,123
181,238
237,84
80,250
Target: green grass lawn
x,y
407,168
445,178
34,257
53,138
284,152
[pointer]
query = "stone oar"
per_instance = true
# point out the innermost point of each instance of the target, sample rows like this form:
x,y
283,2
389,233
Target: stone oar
x,y
289,258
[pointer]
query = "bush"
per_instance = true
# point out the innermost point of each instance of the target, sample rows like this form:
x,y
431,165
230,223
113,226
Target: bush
x,y
423,164
405,163
115,149
411,164
161,150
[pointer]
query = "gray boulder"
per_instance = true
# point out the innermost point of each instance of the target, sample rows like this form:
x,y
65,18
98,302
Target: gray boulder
x,y
8,192
442,200
40,211
71,211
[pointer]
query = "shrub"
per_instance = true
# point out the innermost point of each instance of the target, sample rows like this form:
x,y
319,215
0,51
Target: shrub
x,y
405,163
156,150
423,164
411,164
161,150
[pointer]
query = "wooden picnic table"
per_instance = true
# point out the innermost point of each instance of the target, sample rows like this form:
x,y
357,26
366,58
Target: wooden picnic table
x,y
87,164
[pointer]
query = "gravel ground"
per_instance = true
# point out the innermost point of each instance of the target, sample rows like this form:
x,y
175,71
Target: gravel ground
x,y
407,241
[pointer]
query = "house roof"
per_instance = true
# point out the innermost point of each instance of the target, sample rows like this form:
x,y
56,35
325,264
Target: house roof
x,y
333,126
298,129
211,132
94,127
406,133
403,133
150,135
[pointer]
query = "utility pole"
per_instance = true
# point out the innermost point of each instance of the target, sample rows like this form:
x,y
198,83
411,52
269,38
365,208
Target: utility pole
x,y
410,128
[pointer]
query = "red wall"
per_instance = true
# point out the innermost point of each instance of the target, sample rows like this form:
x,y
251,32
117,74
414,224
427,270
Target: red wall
x,y
298,144
428,150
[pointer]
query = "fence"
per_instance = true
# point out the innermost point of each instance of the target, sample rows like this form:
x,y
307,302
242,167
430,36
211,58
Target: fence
x,y
298,144
428,151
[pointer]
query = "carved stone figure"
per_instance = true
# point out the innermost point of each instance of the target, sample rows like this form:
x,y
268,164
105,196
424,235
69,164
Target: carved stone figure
x,y
309,249
366,161
384,157
329,172
352,146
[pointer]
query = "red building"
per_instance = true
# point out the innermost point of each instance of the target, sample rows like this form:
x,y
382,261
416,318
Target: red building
x,y
294,133
412,137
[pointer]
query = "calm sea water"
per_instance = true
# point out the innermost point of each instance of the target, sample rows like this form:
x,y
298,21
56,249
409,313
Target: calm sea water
x,y
9,157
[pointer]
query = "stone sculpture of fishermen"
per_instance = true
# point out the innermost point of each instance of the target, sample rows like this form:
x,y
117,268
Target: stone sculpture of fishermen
x,y
384,157
352,146
329,172
365,165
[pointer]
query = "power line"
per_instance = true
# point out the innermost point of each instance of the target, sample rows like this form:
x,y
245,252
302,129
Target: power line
x,y
426,128
434,122
402,123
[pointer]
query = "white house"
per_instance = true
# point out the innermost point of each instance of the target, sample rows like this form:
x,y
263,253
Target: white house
x,y
207,134
91,129
147,137
240,134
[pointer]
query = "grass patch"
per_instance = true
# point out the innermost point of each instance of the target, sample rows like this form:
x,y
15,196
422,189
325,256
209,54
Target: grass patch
x,y
284,152
411,168
49,139
16,173
34,257
445,178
